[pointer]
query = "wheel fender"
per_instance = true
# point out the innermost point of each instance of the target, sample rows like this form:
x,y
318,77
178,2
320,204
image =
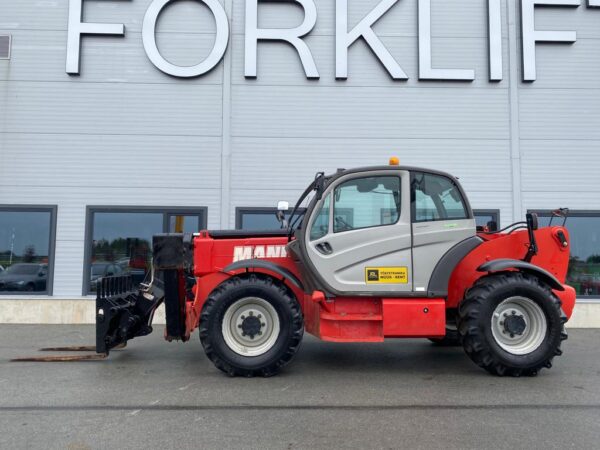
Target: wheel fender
x,y
498,265
265,265
440,277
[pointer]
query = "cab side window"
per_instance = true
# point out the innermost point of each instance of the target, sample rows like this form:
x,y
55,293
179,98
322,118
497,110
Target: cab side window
x,y
366,202
436,197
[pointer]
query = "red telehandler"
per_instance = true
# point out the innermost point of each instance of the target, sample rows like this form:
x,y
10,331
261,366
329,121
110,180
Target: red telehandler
x,y
380,252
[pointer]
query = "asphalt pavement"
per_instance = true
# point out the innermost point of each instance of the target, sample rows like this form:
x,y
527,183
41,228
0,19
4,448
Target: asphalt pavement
x,y
400,394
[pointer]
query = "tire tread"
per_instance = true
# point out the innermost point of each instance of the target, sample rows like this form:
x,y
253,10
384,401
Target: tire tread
x,y
212,303
470,311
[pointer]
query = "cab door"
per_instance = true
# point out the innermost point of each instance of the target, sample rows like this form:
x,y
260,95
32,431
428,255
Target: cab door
x,y
358,239
442,218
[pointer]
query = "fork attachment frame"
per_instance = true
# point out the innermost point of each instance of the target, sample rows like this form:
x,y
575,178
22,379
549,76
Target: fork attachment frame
x,y
123,311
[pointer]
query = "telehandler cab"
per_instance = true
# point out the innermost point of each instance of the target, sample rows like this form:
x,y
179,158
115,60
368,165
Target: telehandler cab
x,y
380,252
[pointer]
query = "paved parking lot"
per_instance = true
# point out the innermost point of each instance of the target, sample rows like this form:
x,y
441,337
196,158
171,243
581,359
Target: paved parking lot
x,y
401,394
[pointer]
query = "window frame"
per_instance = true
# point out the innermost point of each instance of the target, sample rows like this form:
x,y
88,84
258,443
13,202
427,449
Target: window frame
x,y
333,204
495,213
413,201
53,210
558,222
166,211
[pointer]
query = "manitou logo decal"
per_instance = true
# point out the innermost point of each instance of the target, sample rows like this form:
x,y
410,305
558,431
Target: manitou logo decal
x,y
258,251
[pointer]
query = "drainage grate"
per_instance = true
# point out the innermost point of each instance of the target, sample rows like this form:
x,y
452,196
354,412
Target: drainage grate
x,y
5,46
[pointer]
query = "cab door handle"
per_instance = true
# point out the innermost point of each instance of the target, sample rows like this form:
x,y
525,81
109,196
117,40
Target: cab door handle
x,y
325,248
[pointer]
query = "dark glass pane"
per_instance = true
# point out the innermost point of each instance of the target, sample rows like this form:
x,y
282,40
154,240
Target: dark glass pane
x,y
260,221
24,251
320,226
366,202
482,219
189,224
122,244
486,220
584,264
264,219
436,198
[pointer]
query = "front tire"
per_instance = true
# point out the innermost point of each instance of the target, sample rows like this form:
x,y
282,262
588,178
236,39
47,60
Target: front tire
x,y
251,326
511,324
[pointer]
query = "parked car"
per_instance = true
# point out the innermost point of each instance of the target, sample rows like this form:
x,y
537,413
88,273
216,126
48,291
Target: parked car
x,y
103,269
138,274
589,284
24,277
109,269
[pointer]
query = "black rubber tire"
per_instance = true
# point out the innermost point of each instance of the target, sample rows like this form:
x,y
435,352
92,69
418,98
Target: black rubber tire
x,y
290,318
475,316
452,339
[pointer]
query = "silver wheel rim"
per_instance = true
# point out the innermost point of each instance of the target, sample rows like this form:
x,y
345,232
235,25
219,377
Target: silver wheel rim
x,y
235,326
528,314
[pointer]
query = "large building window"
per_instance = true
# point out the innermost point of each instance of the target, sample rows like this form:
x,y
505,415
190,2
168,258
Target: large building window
x,y
487,219
251,218
27,236
584,263
119,239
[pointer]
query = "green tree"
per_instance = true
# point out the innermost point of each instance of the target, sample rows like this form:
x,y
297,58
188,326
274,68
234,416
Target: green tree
x,y
29,254
573,263
593,259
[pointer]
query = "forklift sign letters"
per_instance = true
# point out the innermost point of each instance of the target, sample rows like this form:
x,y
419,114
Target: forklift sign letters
x,y
344,38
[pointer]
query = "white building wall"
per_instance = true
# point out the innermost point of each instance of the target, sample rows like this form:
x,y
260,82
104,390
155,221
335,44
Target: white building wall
x,y
124,133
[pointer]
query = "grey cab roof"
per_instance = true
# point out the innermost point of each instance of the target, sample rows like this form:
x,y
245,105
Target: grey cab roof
x,y
342,172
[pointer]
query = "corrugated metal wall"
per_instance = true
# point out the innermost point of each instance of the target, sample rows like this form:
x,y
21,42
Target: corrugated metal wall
x,y
123,133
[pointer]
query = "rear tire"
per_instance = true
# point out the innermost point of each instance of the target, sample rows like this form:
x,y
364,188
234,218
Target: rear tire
x,y
251,326
452,338
511,324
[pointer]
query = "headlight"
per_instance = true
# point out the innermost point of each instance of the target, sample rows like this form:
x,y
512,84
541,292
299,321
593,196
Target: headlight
x,y
20,283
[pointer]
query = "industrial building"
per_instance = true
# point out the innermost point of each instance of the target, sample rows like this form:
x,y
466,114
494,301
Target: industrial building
x,y
122,119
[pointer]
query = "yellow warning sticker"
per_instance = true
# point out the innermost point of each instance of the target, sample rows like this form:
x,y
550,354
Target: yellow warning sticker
x,y
389,275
